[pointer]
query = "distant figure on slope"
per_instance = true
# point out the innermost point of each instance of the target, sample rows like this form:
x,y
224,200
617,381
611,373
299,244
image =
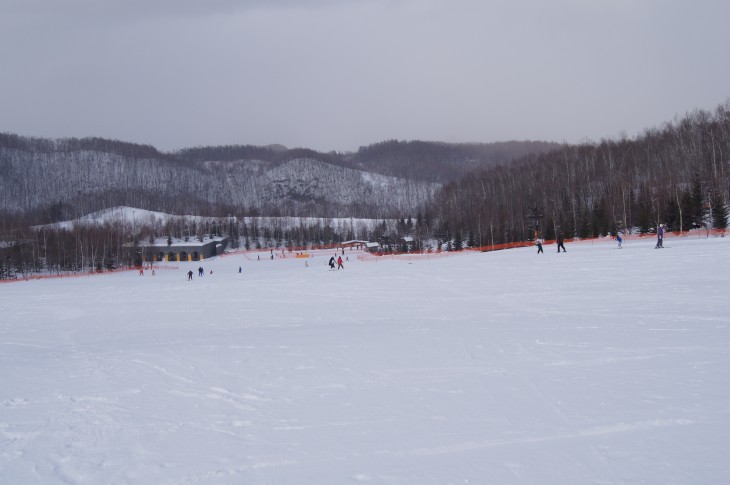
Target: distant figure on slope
x,y
619,239
200,271
141,271
538,242
561,241
240,270
332,262
190,275
339,263
306,264
660,237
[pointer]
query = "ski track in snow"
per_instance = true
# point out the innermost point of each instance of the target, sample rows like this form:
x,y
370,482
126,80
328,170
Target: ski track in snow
x,y
592,366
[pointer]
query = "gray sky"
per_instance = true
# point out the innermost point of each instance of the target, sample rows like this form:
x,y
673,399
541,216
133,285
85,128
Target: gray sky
x,y
339,74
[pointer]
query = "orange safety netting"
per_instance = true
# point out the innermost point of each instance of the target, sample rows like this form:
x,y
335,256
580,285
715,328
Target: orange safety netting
x,y
29,277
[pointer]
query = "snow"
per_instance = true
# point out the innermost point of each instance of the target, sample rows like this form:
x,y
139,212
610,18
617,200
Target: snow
x,y
593,366
134,216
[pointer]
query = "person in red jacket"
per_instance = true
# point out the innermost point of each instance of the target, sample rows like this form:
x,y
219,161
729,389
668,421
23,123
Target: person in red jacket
x,y
339,263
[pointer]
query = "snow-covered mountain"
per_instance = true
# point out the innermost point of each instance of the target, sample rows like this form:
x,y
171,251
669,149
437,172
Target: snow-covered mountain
x,y
302,186
62,179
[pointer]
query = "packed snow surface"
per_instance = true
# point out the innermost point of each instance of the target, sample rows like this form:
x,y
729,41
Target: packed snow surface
x,y
597,365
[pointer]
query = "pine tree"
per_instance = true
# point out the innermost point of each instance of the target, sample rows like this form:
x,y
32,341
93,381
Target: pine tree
x,y
458,243
719,211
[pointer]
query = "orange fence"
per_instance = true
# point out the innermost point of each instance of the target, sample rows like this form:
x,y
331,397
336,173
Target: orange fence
x,y
497,247
29,277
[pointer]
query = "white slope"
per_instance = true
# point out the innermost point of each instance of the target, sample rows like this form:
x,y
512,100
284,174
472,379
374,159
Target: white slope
x,y
592,366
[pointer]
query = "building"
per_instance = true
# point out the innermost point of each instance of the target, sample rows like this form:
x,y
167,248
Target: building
x,y
372,247
176,250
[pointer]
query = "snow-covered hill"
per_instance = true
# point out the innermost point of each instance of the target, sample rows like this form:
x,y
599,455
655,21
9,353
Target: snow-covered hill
x,y
131,217
93,180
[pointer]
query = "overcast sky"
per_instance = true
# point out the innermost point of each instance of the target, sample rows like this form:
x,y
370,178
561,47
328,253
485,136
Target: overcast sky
x,y
339,74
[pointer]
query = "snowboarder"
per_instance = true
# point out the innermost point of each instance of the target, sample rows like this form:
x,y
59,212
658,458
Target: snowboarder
x,y
539,246
339,263
561,241
660,237
190,275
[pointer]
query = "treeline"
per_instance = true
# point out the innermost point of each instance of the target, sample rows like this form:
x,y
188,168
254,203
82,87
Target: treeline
x,y
678,174
440,162
95,246
66,145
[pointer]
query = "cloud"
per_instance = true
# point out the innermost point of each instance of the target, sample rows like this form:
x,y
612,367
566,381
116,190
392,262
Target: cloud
x,y
339,74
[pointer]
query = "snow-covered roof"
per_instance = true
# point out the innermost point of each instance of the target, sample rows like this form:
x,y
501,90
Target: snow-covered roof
x,y
161,242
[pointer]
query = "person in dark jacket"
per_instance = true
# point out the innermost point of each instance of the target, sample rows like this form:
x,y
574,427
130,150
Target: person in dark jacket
x,y
190,275
332,262
561,241
660,236
538,243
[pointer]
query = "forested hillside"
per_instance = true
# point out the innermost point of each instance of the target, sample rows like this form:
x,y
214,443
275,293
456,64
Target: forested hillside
x,y
50,180
440,162
677,174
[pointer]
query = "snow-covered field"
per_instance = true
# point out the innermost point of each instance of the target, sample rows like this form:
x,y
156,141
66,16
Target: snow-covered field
x,y
596,366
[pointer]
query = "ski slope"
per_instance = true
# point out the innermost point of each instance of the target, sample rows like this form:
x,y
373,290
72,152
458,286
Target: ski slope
x,y
598,366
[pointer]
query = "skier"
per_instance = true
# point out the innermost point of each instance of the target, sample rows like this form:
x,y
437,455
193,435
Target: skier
x,y
339,263
239,270
619,239
660,237
141,271
332,263
190,275
539,246
561,241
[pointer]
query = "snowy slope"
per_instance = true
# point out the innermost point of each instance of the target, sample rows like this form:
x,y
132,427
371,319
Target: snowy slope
x,y
131,217
591,366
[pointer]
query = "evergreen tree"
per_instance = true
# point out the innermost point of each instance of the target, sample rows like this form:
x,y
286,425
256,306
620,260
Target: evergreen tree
x,y
719,211
458,243
671,215
584,230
